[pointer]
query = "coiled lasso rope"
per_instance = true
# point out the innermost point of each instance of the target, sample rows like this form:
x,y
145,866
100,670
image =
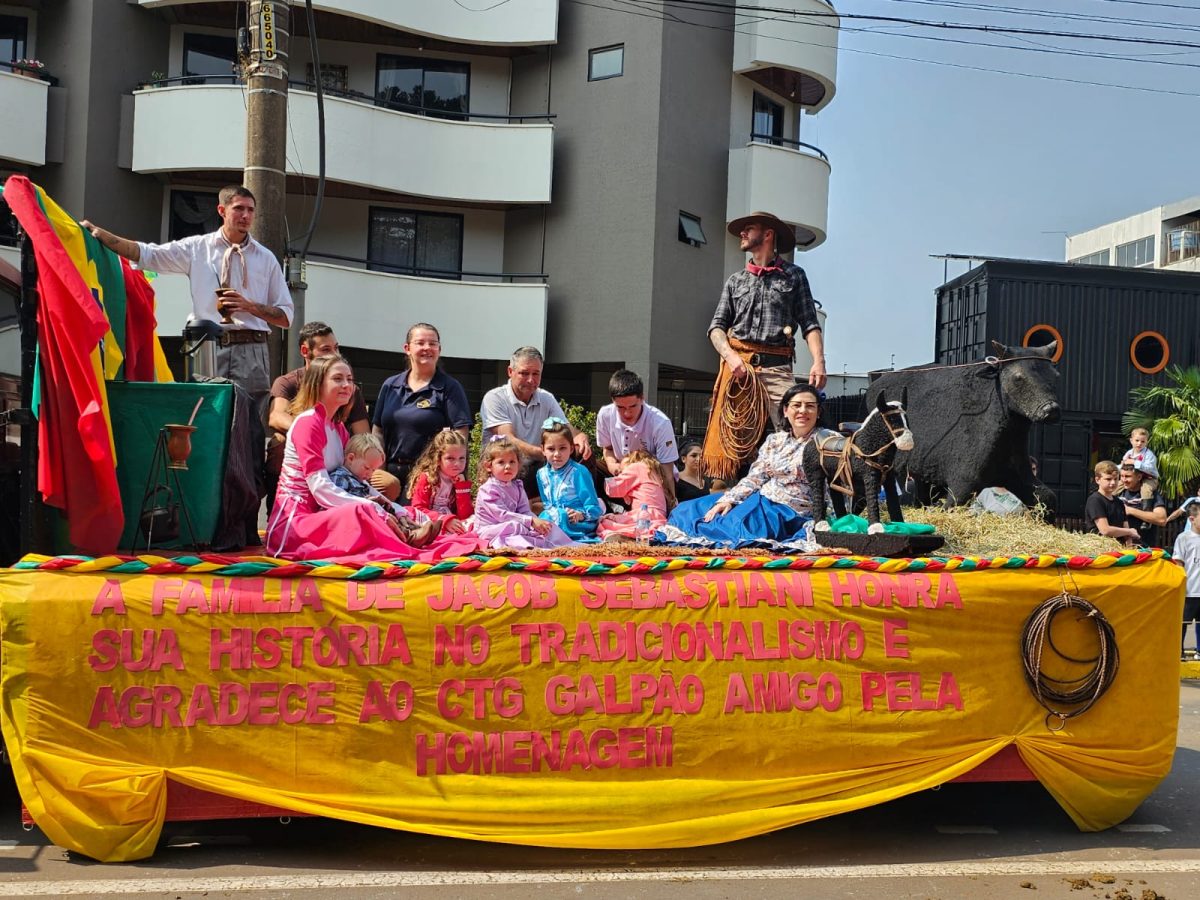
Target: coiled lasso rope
x,y
743,416
1081,693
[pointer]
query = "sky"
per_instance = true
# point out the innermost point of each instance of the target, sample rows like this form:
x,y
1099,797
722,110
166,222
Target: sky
x,y
928,159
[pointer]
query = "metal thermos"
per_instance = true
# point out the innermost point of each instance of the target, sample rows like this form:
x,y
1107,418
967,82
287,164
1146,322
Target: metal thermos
x,y
200,349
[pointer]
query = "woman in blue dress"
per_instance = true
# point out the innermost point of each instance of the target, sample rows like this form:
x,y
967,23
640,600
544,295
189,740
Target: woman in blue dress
x,y
772,503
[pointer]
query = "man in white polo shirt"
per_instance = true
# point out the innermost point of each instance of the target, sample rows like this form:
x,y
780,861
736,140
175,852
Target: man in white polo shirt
x,y
519,408
630,423
253,292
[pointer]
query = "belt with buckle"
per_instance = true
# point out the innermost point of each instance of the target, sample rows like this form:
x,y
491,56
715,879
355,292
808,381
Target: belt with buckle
x,y
766,360
242,336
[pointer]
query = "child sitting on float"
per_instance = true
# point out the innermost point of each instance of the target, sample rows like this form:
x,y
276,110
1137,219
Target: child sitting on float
x,y
438,486
642,483
568,494
503,517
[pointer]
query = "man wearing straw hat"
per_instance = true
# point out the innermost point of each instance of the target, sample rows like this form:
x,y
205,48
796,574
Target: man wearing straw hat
x,y
761,310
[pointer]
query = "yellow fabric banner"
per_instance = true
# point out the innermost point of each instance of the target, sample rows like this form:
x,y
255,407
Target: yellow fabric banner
x,y
664,710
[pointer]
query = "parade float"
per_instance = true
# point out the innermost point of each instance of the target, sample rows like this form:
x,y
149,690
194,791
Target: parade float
x,y
607,702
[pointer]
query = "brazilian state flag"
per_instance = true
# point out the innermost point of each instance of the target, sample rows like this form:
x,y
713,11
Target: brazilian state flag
x,y
96,323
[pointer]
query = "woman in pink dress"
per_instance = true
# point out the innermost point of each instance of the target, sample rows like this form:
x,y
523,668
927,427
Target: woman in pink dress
x,y
312,517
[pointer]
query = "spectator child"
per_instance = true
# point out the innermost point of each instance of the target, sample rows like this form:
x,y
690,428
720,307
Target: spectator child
x,y
568,495
438,487
640,483
502,514
1184,507
1104,513
1143,460
1187,554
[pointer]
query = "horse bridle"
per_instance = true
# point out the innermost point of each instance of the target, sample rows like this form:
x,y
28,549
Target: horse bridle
x,y
842,479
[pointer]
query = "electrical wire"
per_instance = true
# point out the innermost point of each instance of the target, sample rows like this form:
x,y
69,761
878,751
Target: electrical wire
x,y
320,84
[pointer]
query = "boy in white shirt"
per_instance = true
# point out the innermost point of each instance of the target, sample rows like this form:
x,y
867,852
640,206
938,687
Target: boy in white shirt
x,y
1187,554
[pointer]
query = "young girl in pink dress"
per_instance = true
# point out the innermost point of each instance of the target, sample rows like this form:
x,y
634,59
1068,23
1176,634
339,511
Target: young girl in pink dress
x,y
315,519
640,483
502,514
438,486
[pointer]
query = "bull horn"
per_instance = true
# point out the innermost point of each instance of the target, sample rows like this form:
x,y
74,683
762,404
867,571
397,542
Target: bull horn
x,y
1001,350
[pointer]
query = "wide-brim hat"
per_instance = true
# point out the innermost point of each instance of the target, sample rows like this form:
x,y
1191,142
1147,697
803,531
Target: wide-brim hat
x,y
785,238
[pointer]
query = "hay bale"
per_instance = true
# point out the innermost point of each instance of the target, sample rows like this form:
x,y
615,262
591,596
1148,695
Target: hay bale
x,y
1019,534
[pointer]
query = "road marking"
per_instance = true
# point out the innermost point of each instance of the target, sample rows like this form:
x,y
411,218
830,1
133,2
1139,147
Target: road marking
x,y
966,829
1134,827
318,881
8,845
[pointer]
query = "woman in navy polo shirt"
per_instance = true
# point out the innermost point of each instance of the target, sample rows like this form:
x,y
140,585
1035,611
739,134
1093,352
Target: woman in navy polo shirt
x,y
417,403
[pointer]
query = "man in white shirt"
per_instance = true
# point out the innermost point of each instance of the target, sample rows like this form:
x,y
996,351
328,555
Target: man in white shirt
x,y
630,423
234,280
519,408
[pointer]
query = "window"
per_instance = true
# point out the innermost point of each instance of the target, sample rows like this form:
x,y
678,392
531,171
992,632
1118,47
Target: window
x,y
1149,352
690,231
12,38
8,226
1042,335
208,56
432,87
192,212
406,242
606,62
334,78
1136,253
767,124
1099,258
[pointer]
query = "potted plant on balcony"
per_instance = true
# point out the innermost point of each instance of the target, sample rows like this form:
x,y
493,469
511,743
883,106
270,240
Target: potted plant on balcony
x,y
30,68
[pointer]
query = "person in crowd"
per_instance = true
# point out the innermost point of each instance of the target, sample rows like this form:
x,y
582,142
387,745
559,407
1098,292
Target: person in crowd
x,y
316,339
234,280
1144,460
761,311
641,481
692,482
1184,507
517,409
1103,513
1145,514
439,486
315,519
416,404
568,494
1187,553
503,517
630,423
773,502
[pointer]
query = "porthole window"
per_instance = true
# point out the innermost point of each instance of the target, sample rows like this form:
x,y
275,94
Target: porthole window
x,y
1041,336
1149,352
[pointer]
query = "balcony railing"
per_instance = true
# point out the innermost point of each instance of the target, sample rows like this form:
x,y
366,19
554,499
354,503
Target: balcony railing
x,y
770,139
386,268
1181,244
18,69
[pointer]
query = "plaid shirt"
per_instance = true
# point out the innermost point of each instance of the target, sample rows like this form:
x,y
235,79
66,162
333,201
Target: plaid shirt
x,y
756,309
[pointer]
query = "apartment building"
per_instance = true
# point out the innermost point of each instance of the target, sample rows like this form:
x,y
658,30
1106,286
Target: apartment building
x,y
1165,237
539,172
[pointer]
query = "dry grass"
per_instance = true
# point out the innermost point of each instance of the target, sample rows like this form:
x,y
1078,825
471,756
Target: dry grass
x,y
1026,534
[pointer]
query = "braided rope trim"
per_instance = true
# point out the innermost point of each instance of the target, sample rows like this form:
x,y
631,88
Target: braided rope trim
x,y
260,566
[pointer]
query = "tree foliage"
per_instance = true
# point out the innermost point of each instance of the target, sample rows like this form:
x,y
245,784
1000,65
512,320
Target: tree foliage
x,y
1171,413
581,419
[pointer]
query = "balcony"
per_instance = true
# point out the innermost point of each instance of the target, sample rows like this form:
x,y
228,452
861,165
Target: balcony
x,y
514,22
1181,243
795,56
477,319
24,106
757,172
481,160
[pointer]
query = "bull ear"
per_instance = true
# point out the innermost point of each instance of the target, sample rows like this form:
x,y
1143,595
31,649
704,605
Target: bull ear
x,y
881,402
1001,350
904,398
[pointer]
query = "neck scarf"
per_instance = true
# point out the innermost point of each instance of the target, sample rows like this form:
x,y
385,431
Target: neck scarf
x,y
760,271
227,263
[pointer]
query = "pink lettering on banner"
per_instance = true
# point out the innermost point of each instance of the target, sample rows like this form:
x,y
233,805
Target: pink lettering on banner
x,y
504,695
227,703
904,692
393,704
362,595
466,644
525,752
908,590
769,692
332,646
520,591
895,643
110,599
134,650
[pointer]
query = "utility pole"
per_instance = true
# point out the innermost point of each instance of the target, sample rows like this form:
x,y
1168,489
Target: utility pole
x,y
266,71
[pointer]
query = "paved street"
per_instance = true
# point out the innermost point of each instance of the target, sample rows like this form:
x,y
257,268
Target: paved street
x,y
977,841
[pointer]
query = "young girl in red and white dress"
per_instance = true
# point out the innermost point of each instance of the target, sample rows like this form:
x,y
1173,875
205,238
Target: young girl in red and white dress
x,y
502,514
641,482
438,486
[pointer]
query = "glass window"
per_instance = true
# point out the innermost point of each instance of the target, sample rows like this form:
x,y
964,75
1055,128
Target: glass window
x,y
407,242
433,87
208,56
1136,253
690,231
1099,258
1149,352
606,62
8,226
768,120
12,38
192,212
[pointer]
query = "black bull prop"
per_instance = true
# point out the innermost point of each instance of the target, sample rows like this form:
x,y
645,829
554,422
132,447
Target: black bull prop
x,y
970,423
